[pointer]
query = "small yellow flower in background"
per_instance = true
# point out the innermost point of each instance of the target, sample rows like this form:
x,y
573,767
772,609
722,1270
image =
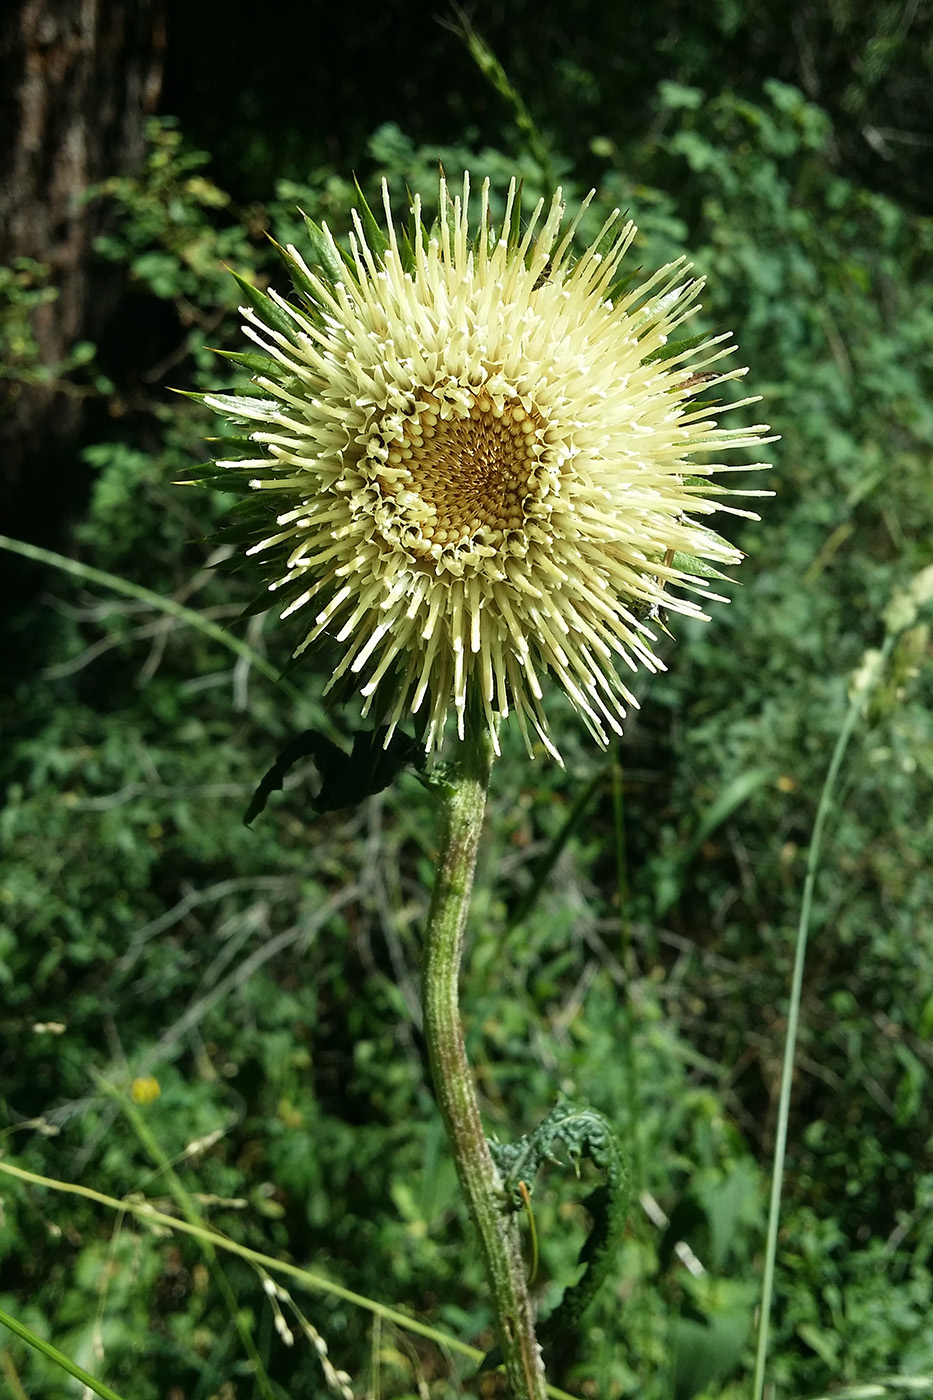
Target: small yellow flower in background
x,y
145,1089
471,462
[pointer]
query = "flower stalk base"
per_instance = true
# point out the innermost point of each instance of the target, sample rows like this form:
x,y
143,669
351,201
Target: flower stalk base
x,y
497,1228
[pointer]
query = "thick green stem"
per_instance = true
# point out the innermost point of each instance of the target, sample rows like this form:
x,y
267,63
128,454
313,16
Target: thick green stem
x,y
464,805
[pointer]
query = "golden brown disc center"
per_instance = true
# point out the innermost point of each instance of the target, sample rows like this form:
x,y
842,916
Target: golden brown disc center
x,y
466,474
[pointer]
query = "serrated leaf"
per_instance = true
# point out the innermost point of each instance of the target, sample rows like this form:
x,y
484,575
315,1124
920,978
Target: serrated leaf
x,y
346,778
310,744
581,1132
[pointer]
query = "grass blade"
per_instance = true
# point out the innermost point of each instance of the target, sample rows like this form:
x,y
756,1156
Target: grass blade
x,y
52,1353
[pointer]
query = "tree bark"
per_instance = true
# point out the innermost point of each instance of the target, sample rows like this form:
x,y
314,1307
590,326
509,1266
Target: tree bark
x,y
77,80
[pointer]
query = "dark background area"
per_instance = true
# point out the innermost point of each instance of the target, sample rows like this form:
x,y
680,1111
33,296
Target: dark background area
x,y
584,70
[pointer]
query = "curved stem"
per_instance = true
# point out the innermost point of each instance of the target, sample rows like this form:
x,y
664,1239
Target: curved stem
x,y
464,805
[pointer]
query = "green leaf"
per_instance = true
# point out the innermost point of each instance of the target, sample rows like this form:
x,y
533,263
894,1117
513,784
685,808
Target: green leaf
x,y
700,568
323,254
256,364
346,779
825,1344
375,237
582,1132
733,795
676,347
302,283
265,307
706,1351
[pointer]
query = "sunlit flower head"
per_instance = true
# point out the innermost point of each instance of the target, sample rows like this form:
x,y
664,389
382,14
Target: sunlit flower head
x,y
472,462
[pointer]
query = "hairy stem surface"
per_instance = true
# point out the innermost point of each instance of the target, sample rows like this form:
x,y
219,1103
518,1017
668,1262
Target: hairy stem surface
x,y
464,805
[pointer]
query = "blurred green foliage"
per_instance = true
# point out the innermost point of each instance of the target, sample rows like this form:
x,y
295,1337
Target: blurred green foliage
x,y
25,287
267,978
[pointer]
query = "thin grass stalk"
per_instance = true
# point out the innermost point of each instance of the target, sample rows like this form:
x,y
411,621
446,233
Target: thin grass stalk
x,y
856,707
157,602
52,1353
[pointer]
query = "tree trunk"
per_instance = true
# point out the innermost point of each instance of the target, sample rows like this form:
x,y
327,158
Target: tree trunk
x,y
77,80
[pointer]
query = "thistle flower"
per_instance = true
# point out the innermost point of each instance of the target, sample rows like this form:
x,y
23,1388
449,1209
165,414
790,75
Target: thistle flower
x,y
470,461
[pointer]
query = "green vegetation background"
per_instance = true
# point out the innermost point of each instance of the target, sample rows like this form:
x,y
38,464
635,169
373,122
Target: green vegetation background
x,y
267,977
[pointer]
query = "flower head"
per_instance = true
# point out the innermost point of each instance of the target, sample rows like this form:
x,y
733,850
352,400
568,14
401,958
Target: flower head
x,y
470,461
